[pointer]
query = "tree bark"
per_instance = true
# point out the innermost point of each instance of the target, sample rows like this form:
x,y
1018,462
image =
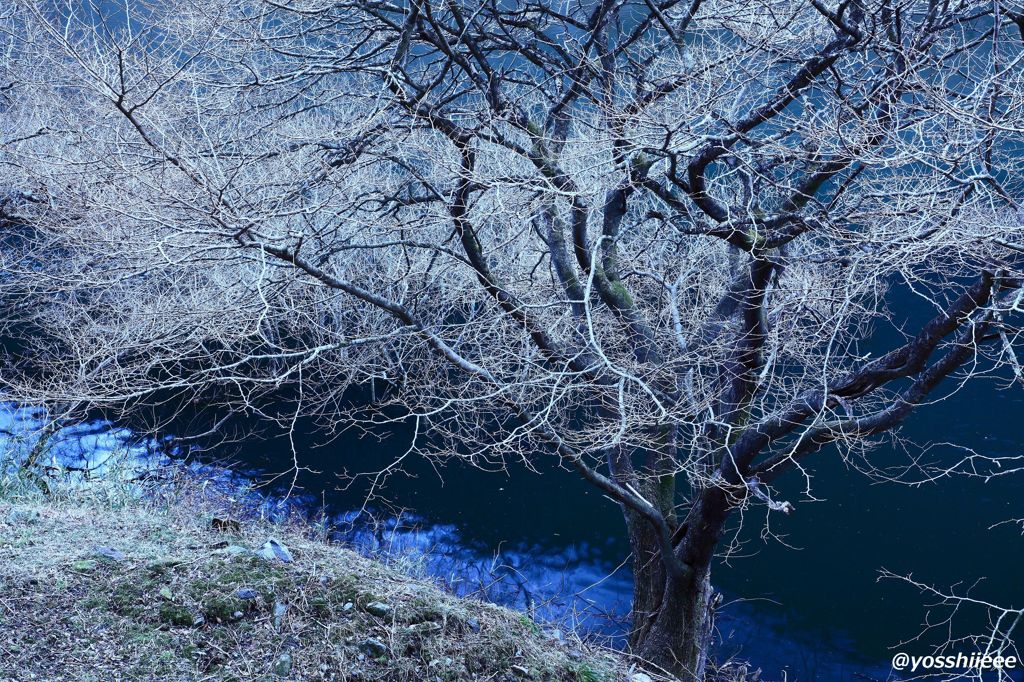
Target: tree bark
x,y
672,617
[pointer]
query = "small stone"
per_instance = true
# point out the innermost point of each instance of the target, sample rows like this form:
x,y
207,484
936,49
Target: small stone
x,y
236,615
85,565
348,606
279,611
165,592
379,609
374,648
272,549
520,670
109,553
283,665
246,593
640,677
473,624
554,635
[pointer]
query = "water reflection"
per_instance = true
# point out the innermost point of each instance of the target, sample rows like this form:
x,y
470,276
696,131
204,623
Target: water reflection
x,y
86,450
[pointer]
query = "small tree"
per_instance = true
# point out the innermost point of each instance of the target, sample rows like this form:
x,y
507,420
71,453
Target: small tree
x,y
648,239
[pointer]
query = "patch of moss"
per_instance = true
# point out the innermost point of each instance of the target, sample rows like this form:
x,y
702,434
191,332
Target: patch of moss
x,y
583,672
161,567
529,624
321,606
131,596
177,615
422,610
343,589
365,597
223,609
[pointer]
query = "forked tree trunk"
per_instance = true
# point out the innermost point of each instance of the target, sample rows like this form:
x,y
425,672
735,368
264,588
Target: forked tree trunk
x,y
679,636
672,618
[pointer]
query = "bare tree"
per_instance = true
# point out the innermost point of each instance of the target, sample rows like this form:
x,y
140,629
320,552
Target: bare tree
x,y
648,238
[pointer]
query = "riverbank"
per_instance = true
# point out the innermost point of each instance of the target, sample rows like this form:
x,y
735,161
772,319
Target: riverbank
x,y
178,581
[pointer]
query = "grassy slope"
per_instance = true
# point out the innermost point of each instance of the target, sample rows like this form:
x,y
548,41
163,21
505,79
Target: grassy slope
x,y
171,610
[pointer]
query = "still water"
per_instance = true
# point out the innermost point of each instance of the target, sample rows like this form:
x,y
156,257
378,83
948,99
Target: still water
x,y
808,607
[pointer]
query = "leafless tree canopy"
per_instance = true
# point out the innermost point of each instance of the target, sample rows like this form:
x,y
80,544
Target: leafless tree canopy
x,y
649,238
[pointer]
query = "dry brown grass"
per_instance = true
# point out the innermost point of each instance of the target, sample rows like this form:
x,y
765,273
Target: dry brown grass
x,y
171,610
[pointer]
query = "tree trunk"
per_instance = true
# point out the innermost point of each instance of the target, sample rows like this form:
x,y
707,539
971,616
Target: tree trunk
x,y
679,636
672,618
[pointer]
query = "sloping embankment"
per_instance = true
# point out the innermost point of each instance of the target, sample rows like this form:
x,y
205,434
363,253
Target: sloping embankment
x,y
102,586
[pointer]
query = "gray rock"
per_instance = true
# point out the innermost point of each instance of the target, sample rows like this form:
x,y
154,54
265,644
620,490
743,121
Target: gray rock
x,y
246,593
640,677
379,609
374,648
283,665
273,550
348,606
279,610
109,553
473,624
